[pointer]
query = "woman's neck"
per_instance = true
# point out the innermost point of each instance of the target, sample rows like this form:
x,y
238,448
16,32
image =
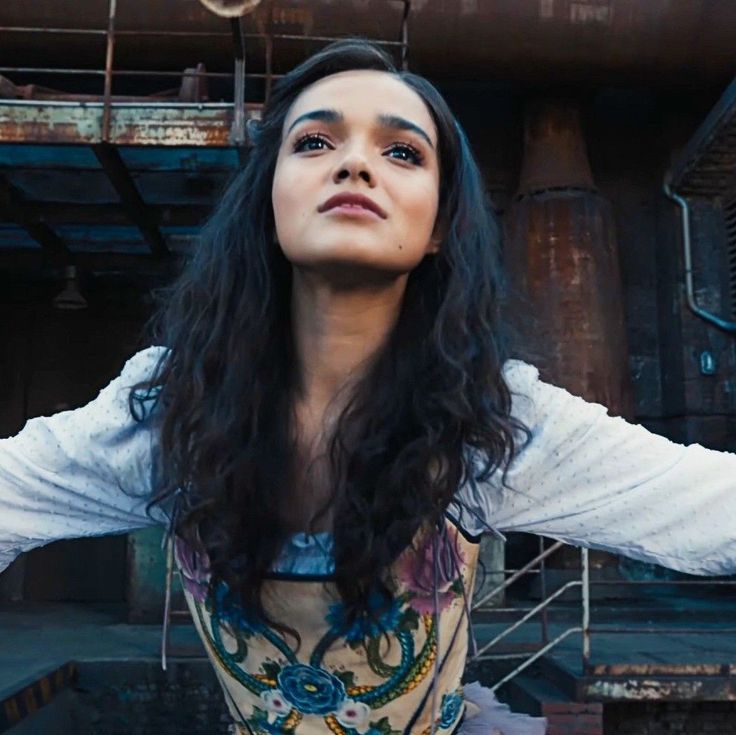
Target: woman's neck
x,y
337,331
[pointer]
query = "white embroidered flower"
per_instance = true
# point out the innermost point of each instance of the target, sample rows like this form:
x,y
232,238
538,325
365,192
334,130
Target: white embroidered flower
x,y
352,713
276,702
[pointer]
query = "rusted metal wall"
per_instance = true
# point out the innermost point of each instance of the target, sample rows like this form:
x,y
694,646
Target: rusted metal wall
x,y
659,42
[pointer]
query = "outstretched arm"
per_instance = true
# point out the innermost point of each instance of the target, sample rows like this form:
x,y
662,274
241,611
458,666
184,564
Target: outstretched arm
x,y
85,472
594,480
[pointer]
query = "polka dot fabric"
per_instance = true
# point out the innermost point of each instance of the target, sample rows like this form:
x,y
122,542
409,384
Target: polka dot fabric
x,y
594,480
85,472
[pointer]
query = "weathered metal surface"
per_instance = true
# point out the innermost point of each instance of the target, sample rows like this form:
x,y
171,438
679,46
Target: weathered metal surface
x,y
562,255
146,575
61,213
147,125
12,209
660,669
671,689
130,198
554,149
608,40
707,165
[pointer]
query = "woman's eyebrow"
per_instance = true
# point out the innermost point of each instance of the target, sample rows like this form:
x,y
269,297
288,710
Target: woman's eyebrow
x,y
385,121
400,123
329,116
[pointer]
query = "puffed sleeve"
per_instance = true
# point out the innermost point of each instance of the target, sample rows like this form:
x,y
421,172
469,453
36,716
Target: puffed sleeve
x,y
85,472
594,480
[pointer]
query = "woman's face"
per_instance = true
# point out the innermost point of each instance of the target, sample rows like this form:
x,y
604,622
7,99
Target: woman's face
x,y
364,134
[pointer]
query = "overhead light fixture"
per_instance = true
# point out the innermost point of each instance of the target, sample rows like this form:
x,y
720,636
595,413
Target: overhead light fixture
x,y
70,297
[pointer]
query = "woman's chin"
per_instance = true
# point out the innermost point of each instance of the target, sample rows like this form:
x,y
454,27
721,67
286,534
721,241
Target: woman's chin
x,y
354,269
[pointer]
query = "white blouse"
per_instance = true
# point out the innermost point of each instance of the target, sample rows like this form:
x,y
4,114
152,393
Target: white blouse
x,y
585,478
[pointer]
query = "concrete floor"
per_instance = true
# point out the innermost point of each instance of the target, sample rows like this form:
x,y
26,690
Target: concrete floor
x,y
37,638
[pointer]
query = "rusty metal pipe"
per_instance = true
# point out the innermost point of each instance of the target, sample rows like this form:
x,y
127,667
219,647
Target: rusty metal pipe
x,y
37,29
585,589
109,53
39,70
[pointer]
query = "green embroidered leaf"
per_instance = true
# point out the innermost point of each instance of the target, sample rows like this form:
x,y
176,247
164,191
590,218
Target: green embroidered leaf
x,y
259,715
271,669
457,587
384,727
409,620
346,677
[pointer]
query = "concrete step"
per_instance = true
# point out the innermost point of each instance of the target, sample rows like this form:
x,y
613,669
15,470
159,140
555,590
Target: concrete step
x,y
23,705
541,698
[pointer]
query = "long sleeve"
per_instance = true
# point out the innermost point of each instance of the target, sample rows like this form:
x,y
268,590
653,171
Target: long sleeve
x,y
594,480
85,472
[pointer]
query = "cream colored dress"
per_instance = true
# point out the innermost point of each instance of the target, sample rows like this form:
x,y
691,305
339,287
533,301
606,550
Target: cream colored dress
x,y
397,673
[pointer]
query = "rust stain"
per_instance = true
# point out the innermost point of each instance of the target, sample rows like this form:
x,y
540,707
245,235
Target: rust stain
x,y
129,125
651,689
657,669
301,17
592,12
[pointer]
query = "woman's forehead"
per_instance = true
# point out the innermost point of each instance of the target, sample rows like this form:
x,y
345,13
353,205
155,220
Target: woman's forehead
x,y
363,92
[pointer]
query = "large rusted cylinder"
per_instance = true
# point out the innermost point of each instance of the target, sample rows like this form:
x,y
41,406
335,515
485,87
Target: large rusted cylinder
x,y
563,262
658,43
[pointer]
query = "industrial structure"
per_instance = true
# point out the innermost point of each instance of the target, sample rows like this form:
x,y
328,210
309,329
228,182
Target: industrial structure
x,y
606,131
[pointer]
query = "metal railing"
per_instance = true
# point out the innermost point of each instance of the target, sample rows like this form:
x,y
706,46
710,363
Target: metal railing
x,y
585,628
238,76
541,609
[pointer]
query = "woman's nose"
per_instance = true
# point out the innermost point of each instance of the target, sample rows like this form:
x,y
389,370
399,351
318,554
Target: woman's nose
x,y
354,166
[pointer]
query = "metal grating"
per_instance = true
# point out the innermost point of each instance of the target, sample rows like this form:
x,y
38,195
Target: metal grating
x,y
729,218
707,166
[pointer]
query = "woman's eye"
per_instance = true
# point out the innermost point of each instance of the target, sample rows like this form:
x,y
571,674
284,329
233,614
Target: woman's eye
x,y
408,153
310,142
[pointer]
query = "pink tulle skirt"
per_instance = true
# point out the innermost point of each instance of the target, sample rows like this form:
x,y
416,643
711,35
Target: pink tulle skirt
x,y
485,715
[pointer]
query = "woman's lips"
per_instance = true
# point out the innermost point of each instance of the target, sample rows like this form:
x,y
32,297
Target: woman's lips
x,y
352,210
352,199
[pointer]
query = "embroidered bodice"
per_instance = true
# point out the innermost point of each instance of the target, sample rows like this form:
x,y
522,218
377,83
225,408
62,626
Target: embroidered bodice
x,y
367,678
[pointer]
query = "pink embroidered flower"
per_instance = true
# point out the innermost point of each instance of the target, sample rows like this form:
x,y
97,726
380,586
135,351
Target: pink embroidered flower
x,y
353,714
193,569
415,572
275,702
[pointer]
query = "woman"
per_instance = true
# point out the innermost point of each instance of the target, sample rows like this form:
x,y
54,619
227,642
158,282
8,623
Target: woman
x,y
331,425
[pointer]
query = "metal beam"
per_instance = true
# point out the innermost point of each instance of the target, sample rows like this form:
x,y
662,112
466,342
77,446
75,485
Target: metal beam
x,y
13,209
155,123
130,198
68,213
30,263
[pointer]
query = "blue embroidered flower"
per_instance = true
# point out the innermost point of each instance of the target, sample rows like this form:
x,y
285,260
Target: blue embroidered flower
x,y
230,611
311,691
450,709
386,619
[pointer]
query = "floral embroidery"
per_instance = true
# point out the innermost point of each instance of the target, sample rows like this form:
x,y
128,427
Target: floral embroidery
x,y
288,688
231,612
450,709
275,702
415,572
193,570
387,616
353,714
310,690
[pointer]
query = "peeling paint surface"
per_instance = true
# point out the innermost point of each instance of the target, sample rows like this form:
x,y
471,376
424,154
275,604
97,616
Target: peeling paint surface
x,y
79,123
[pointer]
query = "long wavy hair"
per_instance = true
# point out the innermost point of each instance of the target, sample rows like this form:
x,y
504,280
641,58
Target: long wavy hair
x,y
225,388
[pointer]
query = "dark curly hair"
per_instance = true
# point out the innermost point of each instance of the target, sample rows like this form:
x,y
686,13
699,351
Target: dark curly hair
x,y
433,399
